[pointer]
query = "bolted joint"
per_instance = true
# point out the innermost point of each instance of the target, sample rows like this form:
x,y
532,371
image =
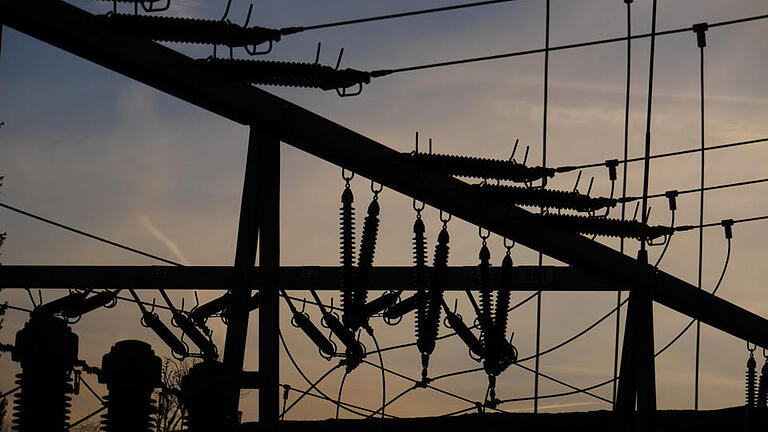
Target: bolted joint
x,y
700,29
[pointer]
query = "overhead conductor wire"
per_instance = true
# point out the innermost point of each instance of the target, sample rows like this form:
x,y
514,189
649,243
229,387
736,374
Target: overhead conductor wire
x,y
700,30
543,185
623,191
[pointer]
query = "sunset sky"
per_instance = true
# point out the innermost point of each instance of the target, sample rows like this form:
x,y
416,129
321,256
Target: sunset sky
x,y
93,149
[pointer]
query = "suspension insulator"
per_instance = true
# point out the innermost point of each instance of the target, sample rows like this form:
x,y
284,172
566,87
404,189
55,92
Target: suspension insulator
x,y
289,74
547,198
302,321
397,310
365,263
57,306
762,388
429,316
605,226
501,311
89,304
204,393
131,371
484,286
190,30
419,256
201,313
347,275
465,166
204,343
751,393
466,335
152,321
46,348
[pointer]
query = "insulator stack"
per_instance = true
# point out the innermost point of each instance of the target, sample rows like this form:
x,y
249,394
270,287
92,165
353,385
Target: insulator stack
x,y
365,262
201,313
465,166
289,74
484,286
762,388
204,393
347,275
131,371
501,313
354,350
751,393
89,304
428,319
605,226
547,198
46,348
190,30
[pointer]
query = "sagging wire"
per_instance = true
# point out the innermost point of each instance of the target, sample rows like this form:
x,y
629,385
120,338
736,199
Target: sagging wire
x,y
341,388
313,385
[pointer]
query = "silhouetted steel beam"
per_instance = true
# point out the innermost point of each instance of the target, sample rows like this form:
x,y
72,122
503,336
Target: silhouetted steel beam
x,y
76,31
524,278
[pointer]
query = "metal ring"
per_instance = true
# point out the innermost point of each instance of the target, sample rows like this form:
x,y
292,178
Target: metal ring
x,y
445,221
508,246
373,188
480,233
418,209
344,177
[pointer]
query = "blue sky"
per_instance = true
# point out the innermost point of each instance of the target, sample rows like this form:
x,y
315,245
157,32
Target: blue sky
x,y
93,149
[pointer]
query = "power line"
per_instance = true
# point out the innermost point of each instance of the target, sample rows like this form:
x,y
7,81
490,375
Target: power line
x,y
392,16
704,189
568,168
384,72
85,234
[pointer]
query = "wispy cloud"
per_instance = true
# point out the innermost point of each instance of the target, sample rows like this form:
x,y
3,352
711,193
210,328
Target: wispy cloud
x,y
156,233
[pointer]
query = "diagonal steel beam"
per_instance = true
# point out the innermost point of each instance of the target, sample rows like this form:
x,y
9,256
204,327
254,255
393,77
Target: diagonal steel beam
x,y
78,32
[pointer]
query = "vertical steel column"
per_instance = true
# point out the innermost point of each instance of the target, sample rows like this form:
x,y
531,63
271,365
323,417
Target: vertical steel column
x,y
637,381
269,264
245,259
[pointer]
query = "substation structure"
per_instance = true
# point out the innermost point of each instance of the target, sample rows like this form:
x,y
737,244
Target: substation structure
x,y
273,121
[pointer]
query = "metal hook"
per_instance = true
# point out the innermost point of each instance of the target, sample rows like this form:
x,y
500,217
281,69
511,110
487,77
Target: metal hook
x,y
226,11
153,305
508,247
152,7
525,159
197,301
338,61
751,350
591,182
634,216
418,209
417,143
375,191
444,221
514,150
303,304
578,179
317,54
342,92
344,176
430,146
480,233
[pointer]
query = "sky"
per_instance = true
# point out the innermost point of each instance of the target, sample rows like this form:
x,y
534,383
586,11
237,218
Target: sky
x,y
93,149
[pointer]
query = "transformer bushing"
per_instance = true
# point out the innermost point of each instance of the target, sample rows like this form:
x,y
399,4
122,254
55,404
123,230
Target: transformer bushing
x,y
203,393
131,371
46,348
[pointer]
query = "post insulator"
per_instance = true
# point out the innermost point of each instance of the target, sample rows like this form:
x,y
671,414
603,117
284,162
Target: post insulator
x,y
131,371
46,348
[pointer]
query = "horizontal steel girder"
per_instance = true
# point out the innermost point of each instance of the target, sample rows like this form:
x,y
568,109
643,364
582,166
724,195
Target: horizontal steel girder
x,y
79,33
524,278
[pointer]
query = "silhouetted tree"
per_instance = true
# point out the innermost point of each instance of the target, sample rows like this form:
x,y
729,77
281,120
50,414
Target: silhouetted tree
x,y
170,410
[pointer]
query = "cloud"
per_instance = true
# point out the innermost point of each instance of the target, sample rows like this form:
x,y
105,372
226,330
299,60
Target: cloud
x,y
156,233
